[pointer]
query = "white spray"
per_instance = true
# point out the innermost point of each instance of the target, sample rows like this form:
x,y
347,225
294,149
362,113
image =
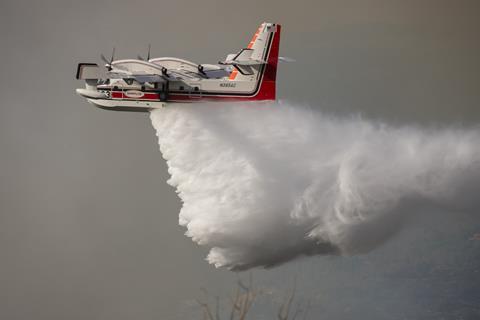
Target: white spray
x,y
264,183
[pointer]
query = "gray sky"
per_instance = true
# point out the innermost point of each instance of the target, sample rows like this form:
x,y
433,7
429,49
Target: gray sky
x,y
88,226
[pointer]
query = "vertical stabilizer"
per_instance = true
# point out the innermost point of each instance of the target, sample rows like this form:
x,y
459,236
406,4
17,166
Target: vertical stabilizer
x,y
258,61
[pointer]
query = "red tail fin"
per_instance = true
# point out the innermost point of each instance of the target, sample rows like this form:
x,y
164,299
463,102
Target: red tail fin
x,y
267,89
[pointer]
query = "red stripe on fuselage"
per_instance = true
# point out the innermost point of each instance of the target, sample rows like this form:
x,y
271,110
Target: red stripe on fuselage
x,y
186,98
146,96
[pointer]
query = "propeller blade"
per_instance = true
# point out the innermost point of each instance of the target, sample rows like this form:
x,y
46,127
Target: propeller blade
x,y
104,59
113,55
148,55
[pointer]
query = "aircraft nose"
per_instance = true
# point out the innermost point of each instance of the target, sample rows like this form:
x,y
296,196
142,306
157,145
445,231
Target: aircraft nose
x,y
90,93
79,91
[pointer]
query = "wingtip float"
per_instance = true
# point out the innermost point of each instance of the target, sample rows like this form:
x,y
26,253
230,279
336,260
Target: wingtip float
x,y
144,84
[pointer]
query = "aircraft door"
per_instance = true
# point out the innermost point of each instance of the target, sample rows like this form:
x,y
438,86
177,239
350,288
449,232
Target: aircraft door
x,y
162,89
195,91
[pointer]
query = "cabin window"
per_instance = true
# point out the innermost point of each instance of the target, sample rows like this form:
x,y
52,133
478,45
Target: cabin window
x,y
196,89
181,88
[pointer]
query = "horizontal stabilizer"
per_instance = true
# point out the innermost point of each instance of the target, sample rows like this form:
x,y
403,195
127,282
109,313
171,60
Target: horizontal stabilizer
x,y
244,55
243,58
244,69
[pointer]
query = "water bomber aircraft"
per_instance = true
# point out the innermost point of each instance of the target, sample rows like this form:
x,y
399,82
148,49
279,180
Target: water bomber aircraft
x,y
142,84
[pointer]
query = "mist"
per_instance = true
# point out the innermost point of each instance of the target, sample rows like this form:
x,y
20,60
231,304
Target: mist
x,y
265,183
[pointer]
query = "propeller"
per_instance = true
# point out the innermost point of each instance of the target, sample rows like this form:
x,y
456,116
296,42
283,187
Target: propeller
x,y
148,54
200,69
108,63
164,72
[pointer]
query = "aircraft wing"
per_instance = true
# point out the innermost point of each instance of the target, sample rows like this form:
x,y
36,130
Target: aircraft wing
x,y
142,77
154,73
92,71
142,71
137,76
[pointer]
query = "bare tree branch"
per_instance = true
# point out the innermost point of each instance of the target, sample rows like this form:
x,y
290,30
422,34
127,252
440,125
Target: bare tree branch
x,y
284,310
206,309
217,309
307,309
244,298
